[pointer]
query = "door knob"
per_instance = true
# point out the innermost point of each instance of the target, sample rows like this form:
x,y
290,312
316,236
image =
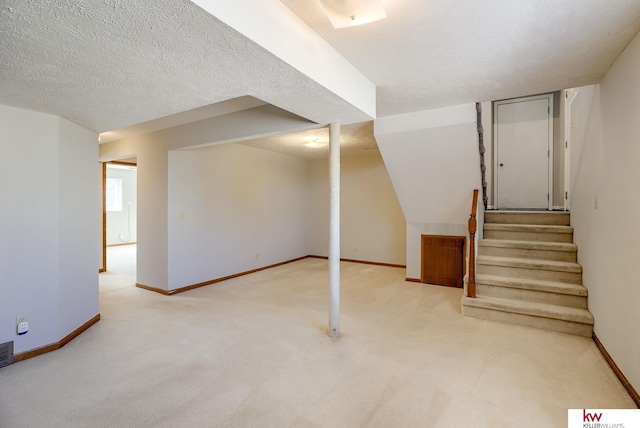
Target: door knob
x,y
501,164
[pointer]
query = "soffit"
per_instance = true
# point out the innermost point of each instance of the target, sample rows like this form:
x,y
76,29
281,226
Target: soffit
x,y
183,118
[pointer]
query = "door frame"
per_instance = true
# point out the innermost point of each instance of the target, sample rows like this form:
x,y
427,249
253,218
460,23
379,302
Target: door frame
x,y
104,207
549,97
569,96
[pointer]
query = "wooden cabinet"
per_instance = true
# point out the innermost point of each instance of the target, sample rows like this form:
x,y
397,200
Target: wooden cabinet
x,y
443,260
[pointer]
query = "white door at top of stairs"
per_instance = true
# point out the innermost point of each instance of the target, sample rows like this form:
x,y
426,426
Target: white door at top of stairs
x,y
523,149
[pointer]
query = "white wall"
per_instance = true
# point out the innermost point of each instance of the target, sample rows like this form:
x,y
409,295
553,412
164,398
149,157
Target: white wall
x,y
433,160
173,253
49,226
122,225
604,165
79,201
29,222
152,151
371,220
234,208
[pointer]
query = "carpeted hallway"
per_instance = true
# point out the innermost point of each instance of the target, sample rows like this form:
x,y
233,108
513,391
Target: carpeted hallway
x,y
253,352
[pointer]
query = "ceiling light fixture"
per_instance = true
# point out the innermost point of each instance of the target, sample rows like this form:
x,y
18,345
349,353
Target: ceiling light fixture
x,y
315,143
349,13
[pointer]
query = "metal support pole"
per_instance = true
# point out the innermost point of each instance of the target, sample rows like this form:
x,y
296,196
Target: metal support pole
x,y
334,230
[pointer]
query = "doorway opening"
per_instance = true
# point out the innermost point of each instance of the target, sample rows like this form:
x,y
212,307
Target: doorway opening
x,y
523,153
119,222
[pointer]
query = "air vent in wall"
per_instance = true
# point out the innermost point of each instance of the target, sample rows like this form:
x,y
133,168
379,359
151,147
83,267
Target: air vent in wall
x,y
6,354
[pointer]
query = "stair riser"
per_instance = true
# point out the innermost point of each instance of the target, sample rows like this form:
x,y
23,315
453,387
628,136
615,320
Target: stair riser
x,y
517,272
532,295
554,219
562,326
561,256
527,283
528,236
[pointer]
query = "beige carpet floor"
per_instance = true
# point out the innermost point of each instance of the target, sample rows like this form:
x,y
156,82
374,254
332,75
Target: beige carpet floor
x,y
253,352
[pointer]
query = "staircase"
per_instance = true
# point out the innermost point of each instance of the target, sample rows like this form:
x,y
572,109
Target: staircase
x,y
527,274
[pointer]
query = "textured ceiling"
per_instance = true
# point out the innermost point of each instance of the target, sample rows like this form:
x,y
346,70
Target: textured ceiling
x,y
434,53
131,66
110,64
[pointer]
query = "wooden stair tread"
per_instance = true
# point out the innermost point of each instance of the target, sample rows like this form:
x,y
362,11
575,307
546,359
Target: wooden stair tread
x,y
536,309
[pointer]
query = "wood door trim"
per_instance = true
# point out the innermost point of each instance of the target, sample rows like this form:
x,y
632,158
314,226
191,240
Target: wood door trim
x,y
104,218
123,163
104,209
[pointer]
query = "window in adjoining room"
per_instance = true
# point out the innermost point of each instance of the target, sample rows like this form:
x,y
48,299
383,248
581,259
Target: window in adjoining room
x,y
114,194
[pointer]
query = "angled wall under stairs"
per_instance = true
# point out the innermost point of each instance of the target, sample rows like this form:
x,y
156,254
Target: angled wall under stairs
x,y
527,274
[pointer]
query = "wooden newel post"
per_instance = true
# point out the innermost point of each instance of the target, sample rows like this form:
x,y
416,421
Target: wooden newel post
x,y
473,228
471,285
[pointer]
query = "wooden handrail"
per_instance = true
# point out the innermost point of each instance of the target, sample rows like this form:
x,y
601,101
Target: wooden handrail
x,y
473,228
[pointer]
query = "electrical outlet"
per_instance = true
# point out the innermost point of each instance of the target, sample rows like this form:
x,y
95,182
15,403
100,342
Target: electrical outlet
x,y
181,216
355,249
257,256
22,325
426,227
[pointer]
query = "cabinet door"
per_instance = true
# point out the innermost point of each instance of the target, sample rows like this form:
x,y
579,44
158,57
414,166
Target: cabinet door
x,y
443,260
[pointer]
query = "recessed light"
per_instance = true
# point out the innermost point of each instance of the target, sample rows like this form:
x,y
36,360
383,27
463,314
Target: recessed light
x,y
315,144
349,13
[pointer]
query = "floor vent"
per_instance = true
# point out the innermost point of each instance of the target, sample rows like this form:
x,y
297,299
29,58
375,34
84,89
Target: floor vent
x,y
6,354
